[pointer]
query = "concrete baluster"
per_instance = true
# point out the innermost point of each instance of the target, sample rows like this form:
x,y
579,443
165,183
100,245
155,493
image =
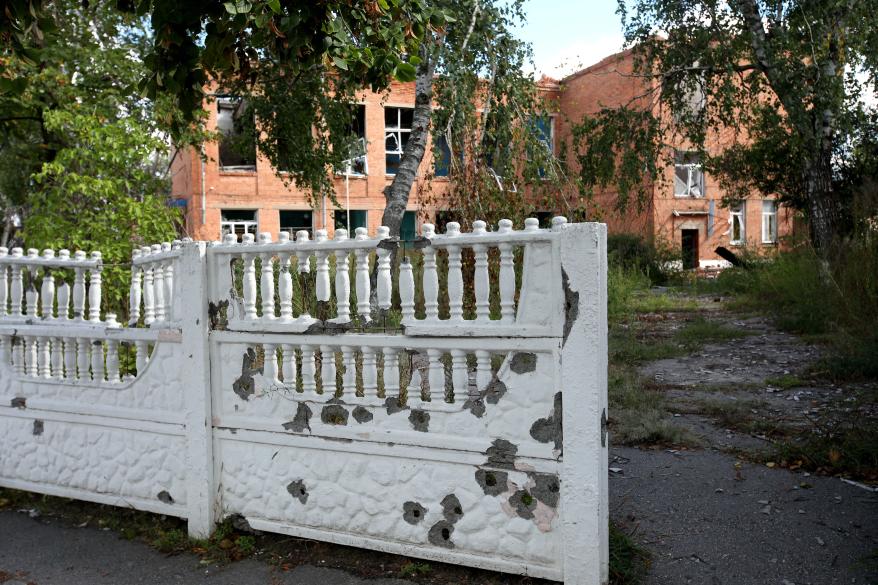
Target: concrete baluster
x,y
158,285
270,362
483,370
32,361
342,280
303,266
436,375
323,291
97,360
94,289
385,281
431,276
57,357
83,351
289,365
285,282
364,287
4,283
559,222
18,349
266,280
141,357
135,292
459,375
249,280
349,371
406,290
169,283
327,369
455,274
47,290
370,373
112,360
309,380
16,286
391,372
482,282
507,276
69,358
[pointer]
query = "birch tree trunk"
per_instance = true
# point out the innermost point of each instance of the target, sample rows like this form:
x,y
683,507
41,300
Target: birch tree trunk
x,y
397,193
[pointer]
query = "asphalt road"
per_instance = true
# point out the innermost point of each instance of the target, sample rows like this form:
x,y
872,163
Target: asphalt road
x,y
46,552
707,522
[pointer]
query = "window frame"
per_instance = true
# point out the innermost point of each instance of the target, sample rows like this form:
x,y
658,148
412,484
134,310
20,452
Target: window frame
x,y
769,220
396,132
737,214
679,163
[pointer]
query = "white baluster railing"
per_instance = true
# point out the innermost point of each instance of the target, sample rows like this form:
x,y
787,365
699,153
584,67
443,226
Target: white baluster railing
x,y
152,293
46,290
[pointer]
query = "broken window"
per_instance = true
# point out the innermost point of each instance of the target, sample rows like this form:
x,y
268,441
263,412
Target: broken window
x,y
769,221
237,147
293,221
688,176
397,129
238,222
543,128
356,162
737,223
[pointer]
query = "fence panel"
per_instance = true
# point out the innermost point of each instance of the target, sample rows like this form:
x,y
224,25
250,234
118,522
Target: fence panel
x,y
443,398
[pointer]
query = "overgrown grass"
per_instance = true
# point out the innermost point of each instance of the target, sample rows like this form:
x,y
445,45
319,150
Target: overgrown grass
x,y
628,561
836,301
699,331
850,450
639,413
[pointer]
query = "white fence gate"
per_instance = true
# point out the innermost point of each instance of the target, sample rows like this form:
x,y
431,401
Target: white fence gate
x,y
263,382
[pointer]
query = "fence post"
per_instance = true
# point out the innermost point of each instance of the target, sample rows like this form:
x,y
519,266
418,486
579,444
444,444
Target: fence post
x,y
195,374
584,380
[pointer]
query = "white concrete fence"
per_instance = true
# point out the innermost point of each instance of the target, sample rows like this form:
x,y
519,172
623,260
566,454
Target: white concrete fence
x,y
269,380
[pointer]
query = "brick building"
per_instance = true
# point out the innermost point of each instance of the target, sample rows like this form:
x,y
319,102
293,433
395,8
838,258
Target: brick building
x,y
230,192
684,207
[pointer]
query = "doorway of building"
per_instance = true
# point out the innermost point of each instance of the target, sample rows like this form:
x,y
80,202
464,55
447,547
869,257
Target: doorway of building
x,y
690,249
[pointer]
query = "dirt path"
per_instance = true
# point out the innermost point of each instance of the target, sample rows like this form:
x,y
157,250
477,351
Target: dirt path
x,y
725,512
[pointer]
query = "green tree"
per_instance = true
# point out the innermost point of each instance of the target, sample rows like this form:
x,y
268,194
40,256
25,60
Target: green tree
x,y
785,78
473,65
83,163
96,194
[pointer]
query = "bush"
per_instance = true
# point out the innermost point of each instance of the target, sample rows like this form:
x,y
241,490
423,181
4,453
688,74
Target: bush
x,y
837,300
632,252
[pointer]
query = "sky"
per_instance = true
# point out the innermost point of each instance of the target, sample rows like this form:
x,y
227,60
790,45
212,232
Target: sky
x,y
567,35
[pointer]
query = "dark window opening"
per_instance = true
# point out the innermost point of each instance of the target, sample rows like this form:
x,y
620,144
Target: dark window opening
x,y
293,221
358,218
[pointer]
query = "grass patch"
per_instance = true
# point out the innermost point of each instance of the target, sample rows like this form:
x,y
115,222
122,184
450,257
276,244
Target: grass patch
x,y
627,348
849,450
628,562
785,381
728,413
699,331
639,414
666,302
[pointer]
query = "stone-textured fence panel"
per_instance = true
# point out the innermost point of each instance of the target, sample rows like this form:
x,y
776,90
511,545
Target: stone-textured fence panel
x,y
453,408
